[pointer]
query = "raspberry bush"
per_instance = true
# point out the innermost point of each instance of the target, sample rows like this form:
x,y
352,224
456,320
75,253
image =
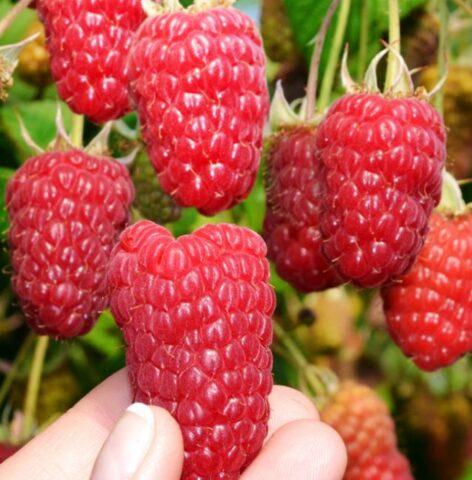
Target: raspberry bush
x,y
201,193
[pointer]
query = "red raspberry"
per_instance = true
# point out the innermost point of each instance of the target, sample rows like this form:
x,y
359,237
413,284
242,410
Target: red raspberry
x,y
291,225
88,41
198,80
363,421
429,311
390,466
383,159
7,450
196,316
66,211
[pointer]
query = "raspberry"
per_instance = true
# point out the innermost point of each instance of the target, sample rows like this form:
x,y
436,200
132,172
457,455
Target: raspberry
x,y
429,311
66,211
33,62
291,225
390,466
88,41
7,450
152,202
363,421
383,158
202,100
196,317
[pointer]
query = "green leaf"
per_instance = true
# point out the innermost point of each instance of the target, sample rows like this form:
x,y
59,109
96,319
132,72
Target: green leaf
x,y
39,119
5,174
306,16
105,337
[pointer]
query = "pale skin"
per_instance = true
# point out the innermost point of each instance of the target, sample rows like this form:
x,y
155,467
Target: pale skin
x,y
99,439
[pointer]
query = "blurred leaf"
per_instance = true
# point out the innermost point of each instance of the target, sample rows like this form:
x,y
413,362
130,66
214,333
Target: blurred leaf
x,y
39,119
105,337
306,16
17,29
5,174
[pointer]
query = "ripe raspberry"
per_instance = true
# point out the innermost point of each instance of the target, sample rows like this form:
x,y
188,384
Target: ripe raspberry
x,y
66,211
196,316
198,80
152,202
7,450
363,421
429,311
294,196
383,158
88,41
390,466
33,62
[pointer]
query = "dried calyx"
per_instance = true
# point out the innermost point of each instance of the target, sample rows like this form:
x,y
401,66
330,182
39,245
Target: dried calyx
x,y
153,9
451,196
402,85
8,61
98,146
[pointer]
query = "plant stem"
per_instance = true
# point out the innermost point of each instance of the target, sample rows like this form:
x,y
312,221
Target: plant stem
x,y
7,20
442,52
290,345
464,6
394,42
312,84
20,356
328,79
77,131
34,382
363,41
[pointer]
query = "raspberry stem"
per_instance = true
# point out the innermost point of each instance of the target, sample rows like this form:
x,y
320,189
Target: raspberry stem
x,y
363,41
20,356
312,84
394,41
12,14
77,131
328,79
32,390
443,51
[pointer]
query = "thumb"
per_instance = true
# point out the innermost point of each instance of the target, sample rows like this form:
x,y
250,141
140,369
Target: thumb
x,y
145,444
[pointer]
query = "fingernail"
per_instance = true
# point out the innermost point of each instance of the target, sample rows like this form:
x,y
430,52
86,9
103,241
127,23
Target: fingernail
x,y
126,446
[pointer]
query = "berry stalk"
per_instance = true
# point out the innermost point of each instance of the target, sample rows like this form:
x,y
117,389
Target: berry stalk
x,y
77,131
312,84
34,382
443,52
328,79
10,377
363,41
8,19
394,41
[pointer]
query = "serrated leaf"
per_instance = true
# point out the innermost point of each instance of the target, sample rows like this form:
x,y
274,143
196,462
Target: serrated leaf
x,y
39,118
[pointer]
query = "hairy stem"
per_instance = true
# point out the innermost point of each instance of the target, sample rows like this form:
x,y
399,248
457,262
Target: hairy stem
x,y
7,20
20,356
312,84
363,41
328,79
34,382
443,51
77,131
394,41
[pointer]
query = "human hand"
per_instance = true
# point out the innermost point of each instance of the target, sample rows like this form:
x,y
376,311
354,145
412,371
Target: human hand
x,y
99,439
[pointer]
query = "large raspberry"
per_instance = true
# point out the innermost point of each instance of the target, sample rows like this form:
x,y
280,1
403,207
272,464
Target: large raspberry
x,y
383,158
88,41
196,316
198,80
429,311
294,196
66,211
